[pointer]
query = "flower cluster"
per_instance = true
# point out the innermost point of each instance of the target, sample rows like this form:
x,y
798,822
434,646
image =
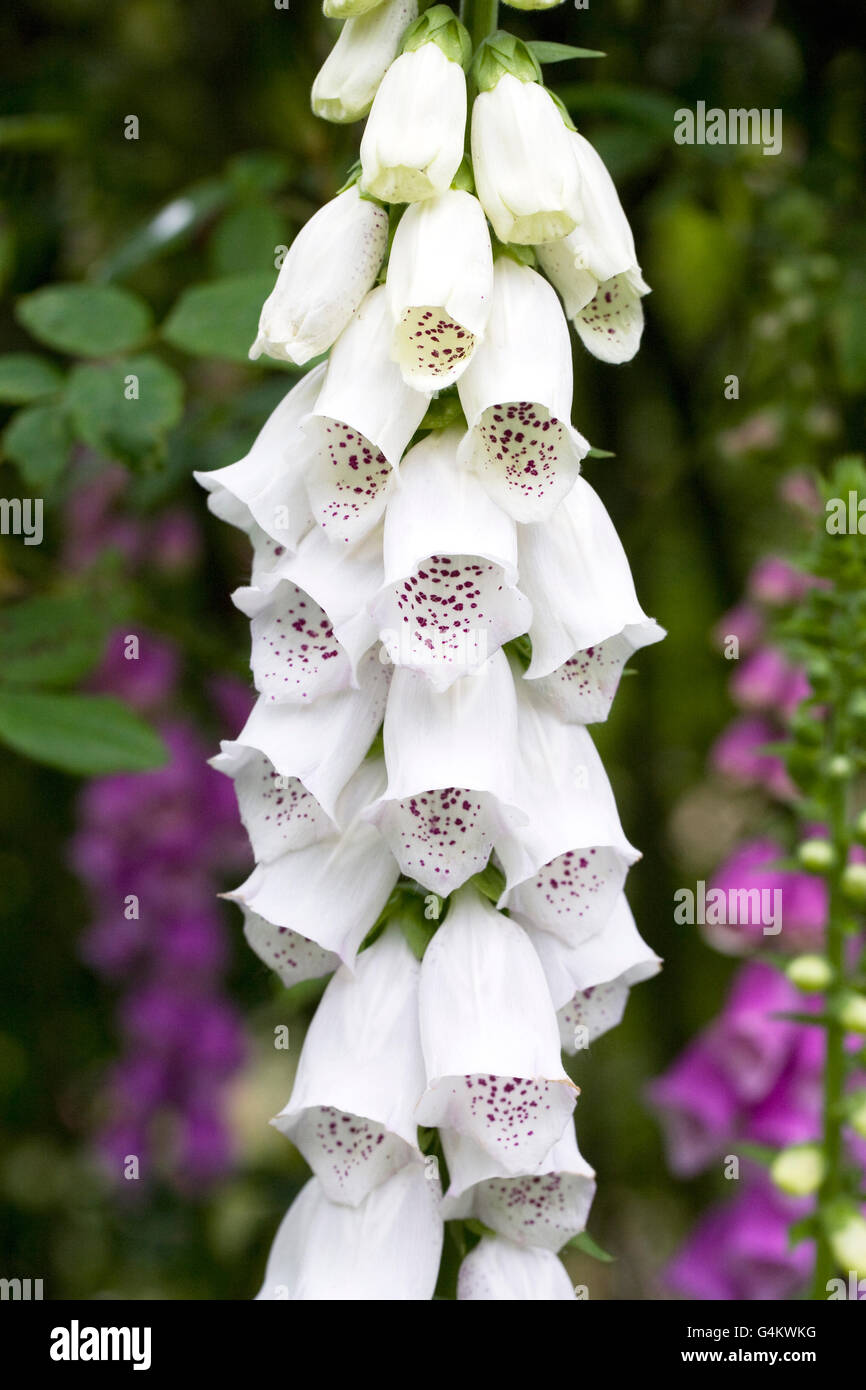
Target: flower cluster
x,y
439,605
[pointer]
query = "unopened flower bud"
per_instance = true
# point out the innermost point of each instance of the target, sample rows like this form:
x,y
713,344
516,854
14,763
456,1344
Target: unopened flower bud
x,y
798,1170
846,1229
817,856
851,1012
810,973
854,883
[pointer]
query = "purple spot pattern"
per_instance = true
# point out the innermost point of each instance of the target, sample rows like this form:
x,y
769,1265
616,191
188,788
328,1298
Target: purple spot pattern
x,y
444,603
296,655
443,836
522,443
359,475
279,814
434,343
348,1153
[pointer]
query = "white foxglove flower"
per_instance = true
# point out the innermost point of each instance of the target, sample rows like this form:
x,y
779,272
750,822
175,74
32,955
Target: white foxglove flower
x,y
360,1074
412,144
532,4
525,170
386,1250
545,1208
586,619
363,418
498,1271
589,982
450,597
346,9
330,266
290,764
440,287
368,44
265,493
309,621
450,759
595,267
490,1040
332,891
566,865
516,395
292,957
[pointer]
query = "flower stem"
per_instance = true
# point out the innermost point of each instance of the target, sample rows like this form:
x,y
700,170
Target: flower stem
x,y
483,19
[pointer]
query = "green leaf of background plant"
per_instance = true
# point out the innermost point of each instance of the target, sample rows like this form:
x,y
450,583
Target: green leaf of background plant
x,y
24,377
85,320
560,52
220,318
89,735
247,236
52,640
38,440
106,420
172,226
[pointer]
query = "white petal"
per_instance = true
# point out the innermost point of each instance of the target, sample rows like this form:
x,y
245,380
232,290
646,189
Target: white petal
x,y
498,1271
589,982
566,865
544,1208
440,287
360,1074
319,746
413,140
601,246
345,9
450,597
291,956
363,419
516,394
611,325
367,46
491,1045
525,169
266,490
450,759
387,1249
330,266
586,617
332,892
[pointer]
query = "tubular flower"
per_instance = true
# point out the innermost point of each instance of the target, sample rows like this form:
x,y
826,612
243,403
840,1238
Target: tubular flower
x,y
368,44
438,606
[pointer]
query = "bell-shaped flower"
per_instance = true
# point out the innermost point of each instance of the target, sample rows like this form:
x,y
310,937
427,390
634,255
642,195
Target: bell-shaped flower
x,y
450,759
532,4
290,764
309,621
329,268
524,165
516,395
490,1040
545,1208
265,493
566,865
385,1250
363,418
586,619
412,144
360,1074
292,957
332,891
499,1271
367,46
589,983
348,9
450,597
595,267
440,287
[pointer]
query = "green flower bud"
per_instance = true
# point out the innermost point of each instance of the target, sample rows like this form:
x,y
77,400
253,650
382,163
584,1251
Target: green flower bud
x,y
817,856
798,1170
860,827
501,53
854,883
856,1113
851,1012
840,767
810,973
846,1231
441,26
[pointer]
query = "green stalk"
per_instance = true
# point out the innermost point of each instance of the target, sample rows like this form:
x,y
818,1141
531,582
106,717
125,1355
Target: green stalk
x,y
482,20
834,1071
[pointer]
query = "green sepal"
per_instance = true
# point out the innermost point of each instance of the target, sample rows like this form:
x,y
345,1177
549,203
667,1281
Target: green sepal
x,y
490,883
585,1243
464,179
503,53
562,109
441,26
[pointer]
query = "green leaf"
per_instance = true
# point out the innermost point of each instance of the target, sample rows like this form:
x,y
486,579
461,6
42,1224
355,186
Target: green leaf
x,y
35,132
24,377
847,325
124,408
588,1246
90,735
478,1228
51,641
38,440
560,52
417,932
759,1153
173,225
219,319
600,454
804,1229
247,236
85,320
490,882
257,172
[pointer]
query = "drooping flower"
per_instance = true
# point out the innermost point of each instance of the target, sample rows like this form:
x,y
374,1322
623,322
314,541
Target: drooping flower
x,y
330,266
516,395
497,1270
367,46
